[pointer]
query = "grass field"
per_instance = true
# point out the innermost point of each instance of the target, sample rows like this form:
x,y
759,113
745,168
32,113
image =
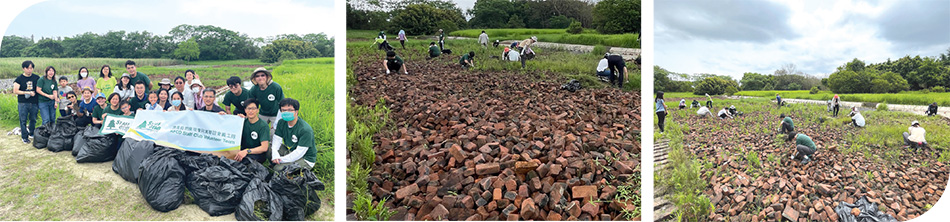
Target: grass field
x,y
588,37
550,63
906,98
11,67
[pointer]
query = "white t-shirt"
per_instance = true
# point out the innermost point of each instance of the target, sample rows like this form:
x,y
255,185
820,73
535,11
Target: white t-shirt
x,y
723,111
602,65
858,119
917,134
513,55
703,111
483,38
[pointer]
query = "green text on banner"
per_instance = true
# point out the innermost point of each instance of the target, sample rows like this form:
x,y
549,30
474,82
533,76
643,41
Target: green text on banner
x,y
188,130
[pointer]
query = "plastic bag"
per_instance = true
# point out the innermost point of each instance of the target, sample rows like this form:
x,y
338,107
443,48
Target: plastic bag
x,y
572,86
162,180
97,148
298,189
62,137
869,212
130,156
41,137
80,139
191,161
259,195
218,189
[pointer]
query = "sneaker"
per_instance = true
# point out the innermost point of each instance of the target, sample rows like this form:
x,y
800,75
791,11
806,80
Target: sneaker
x,y
26,141
805,160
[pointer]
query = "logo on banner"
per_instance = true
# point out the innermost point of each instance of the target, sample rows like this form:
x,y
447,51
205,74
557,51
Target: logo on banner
x,y
150,125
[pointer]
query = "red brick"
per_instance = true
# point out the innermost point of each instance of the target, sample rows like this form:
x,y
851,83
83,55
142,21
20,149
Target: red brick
x,y
406,191
487,169
579,192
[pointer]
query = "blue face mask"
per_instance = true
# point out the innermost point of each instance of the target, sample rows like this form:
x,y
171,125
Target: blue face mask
x,y
176,102
287,116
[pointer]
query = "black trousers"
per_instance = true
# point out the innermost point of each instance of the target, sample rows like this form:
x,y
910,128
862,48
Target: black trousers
x,y
661,119
835,109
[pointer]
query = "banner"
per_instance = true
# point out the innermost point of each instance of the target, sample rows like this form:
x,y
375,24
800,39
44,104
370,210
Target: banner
x,y
115,124
188,130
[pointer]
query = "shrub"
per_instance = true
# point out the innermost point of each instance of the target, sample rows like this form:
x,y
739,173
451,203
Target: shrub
x,y
938,89
714,86
575,28
599,50
560,22
882,106
731,90
814,90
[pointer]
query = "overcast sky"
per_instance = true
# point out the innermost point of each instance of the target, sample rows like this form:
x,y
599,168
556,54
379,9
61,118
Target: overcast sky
x,y
256,18
817,36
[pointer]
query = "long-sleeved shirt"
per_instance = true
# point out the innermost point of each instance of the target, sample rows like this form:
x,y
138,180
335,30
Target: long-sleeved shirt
x,y
602,65
858,118
290,157
483,38
917,134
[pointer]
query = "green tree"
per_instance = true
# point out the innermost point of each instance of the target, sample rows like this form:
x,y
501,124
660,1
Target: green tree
x,y
493,13
575,28
515,22
44,48
422,19
282,49
217,43
755,81
715,85
561,21
13,45
188,50
617,16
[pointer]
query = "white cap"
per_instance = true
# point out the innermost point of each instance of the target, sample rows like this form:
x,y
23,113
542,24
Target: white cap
x,y
914,123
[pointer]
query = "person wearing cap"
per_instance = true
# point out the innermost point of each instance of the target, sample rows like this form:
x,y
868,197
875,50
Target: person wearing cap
x,y
915,137
110,105
85,107
483,39
835,104
733,111
165,84
496,43
137,76
97,112
47,91
932,109
525,45
125,87
856,118
140,98
467,60
441,40
256,136
603,71
394,63
105,84
196,88
236,95
207,98
268,93
682,103
703,111
402,38
805,148
293,139
709,101
433,51
619,68
724,113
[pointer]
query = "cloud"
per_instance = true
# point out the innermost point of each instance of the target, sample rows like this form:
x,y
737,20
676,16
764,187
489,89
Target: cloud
x,y
917,23
756,21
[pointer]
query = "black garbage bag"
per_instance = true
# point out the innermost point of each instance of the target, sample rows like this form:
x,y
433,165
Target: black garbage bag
x,y
162,179
218,189
259,203
572,86
869,212
42,134
251,168
98,148
191,161
298,189
80,139
62,137
130,156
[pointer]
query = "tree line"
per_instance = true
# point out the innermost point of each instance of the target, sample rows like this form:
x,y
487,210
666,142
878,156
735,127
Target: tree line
x,y
187,42
930,74
424,17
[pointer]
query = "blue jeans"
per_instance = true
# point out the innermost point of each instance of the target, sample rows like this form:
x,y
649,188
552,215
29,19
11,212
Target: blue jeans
x,y
27,112
48,112
606,73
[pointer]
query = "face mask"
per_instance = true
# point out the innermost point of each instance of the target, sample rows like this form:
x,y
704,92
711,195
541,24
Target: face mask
x,y
83,74
287,116
195,89
176,102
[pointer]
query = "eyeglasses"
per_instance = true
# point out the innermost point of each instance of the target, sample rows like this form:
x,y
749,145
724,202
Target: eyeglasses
x,y
70,97
179,83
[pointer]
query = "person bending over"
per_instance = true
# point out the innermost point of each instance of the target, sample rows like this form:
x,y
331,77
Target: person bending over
x,y
856,118
915,137
805,148
394,63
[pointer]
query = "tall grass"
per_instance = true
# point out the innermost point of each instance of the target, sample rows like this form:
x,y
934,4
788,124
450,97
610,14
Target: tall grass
x,y
9,116
905,98
588,37
310,81
683,177
362,124
11,67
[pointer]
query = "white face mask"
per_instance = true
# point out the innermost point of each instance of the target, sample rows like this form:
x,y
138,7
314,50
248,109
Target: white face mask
x,y
83,74
195,89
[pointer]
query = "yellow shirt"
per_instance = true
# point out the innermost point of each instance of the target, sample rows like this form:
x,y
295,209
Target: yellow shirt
x,y
105,86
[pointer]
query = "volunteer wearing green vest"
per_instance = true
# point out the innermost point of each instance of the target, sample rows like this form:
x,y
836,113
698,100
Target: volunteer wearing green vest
x,y
137,76
97,112
268,93
806,148
434,50
788,126
255,140
467,60
46,89
293,139
237,96
106,84
112,107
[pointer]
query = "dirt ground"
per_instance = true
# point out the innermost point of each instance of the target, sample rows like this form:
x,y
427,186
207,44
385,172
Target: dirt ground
x,y
36,184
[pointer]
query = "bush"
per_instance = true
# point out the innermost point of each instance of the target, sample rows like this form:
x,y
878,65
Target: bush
x,y
617,16
599,50
575,28
731,90
560,22
814,90
938,89
714,86
882,106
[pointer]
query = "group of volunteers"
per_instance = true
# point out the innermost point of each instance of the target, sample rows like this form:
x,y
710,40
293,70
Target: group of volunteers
x,y
272,128
915,137
612,68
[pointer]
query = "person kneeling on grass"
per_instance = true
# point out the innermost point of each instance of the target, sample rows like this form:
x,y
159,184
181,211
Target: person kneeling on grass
x,y
603,71
293,139
805,148
724,113
915,137
694,104
434,51
682,103
255,140
394,63
787,125
856,118
703,111
733,111
467,60
932,109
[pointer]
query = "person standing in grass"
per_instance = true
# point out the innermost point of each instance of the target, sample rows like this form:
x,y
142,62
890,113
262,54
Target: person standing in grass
x,y
47,90
805,148
105,84
709,101
433,51
124,87
778,99
236,95
293,139
255,140
603,71
835,104
932,109
64,89
483,39
617,66
137,76
24,86
856,118
525,45
402,38
394,63
916,136
467,60
441,40
660,111
268,93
